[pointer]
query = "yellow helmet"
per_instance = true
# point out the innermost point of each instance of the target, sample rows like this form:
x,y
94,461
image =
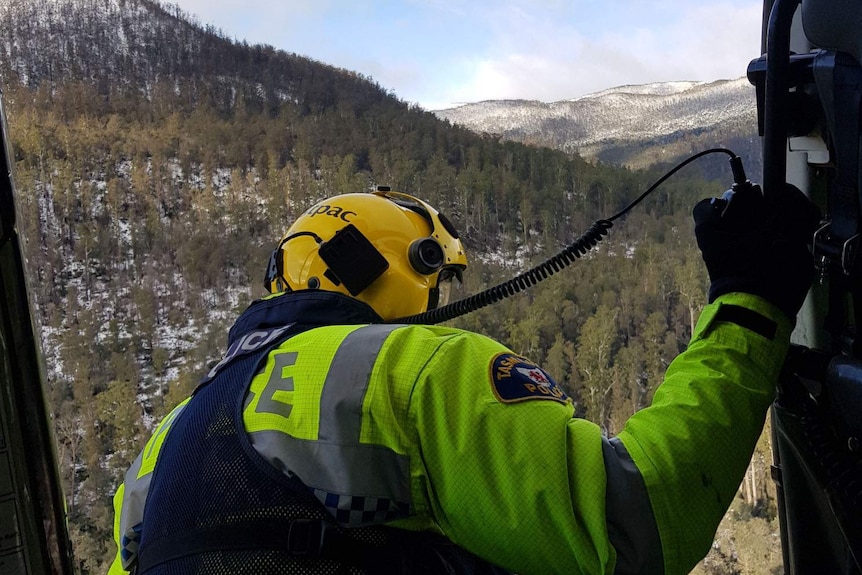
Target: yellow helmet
x,y
387,249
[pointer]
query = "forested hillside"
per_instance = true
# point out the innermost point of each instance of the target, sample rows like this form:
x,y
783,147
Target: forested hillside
x,y
158,162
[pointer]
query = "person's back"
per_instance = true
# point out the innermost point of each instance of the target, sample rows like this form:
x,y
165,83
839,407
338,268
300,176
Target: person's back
x,y
280,459
330,440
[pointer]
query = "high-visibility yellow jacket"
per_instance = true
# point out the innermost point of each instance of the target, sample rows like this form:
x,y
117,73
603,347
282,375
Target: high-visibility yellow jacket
x,y
450,432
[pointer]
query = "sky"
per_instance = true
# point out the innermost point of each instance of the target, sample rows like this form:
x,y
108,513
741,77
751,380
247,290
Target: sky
x,y
442,53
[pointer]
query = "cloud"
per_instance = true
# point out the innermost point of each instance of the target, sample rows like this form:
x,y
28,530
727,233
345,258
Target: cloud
x,y
537,57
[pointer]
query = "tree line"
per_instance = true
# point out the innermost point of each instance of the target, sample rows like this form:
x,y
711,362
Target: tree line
x,y
150,202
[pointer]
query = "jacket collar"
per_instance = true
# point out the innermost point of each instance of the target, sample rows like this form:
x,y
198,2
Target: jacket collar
x,y
307,308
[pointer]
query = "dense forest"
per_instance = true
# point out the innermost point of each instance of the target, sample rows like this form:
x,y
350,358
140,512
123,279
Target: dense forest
x,y
157,163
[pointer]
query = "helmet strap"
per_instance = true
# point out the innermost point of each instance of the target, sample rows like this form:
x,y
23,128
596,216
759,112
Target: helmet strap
x,y
275,269
433,298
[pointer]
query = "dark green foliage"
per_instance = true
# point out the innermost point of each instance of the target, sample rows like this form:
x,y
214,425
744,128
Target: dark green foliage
x,y
153,183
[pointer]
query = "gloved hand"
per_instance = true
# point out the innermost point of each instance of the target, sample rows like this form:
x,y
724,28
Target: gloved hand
x,y
758,245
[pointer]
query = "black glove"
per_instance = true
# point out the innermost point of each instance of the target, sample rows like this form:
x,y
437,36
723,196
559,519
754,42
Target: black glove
x,y
758,245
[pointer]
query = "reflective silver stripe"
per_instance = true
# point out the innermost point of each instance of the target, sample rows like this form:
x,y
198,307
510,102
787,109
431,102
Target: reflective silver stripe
x,y
631,522
135,491
354,468
337,463
347,382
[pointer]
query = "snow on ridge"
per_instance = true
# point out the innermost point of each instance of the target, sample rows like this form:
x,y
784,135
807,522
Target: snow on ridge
x,y
610,117
652,89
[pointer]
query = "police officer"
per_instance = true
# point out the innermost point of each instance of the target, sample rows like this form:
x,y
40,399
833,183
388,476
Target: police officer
x,y
330,441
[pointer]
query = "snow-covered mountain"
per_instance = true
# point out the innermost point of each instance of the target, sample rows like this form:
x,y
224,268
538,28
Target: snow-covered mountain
x,y
632,125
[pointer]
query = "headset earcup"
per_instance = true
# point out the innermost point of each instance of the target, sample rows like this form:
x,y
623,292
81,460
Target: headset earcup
x,y
426,255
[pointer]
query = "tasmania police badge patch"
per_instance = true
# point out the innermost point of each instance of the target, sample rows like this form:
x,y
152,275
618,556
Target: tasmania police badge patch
x,y
515,378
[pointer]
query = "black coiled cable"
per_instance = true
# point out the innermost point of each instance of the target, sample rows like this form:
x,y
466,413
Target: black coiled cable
x,y
529,278
561,260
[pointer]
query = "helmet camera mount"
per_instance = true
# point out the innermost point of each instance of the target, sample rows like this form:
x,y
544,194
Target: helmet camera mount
x,y
352,260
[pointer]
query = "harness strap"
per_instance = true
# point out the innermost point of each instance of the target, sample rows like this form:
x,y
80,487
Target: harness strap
x,y
748,319
304,538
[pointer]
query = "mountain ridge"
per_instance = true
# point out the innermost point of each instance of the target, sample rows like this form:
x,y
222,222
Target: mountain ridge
x,y
634,125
